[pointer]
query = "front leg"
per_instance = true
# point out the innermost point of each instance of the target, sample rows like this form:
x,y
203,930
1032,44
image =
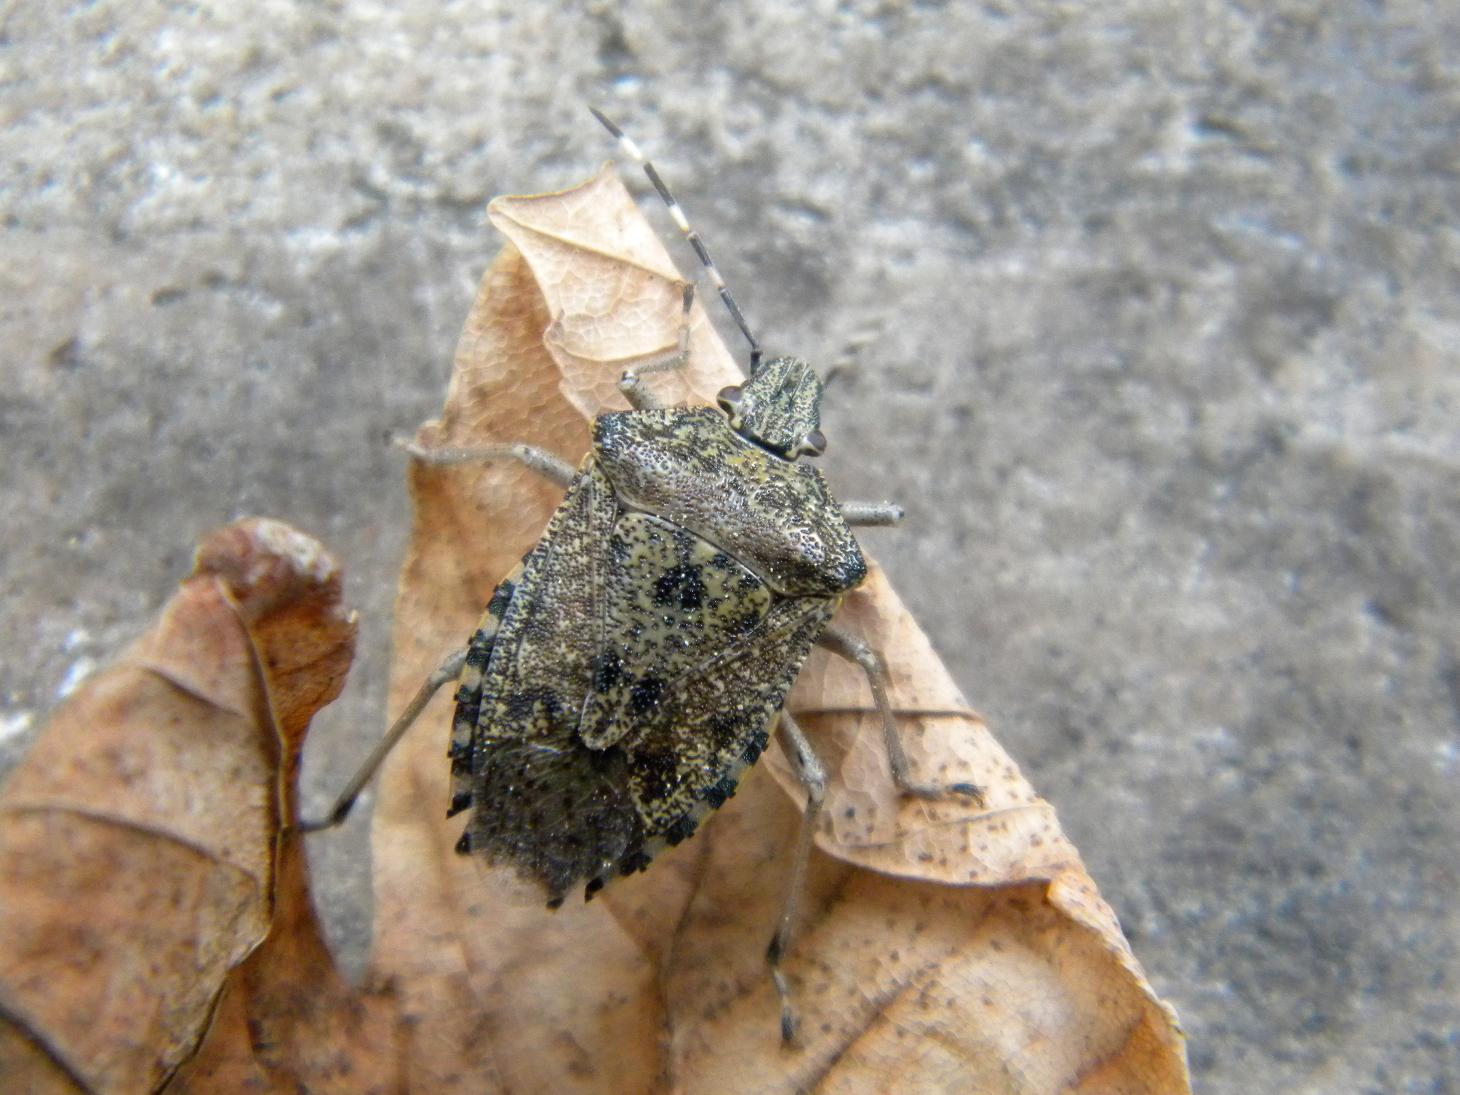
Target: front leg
x,y
640,397
867,514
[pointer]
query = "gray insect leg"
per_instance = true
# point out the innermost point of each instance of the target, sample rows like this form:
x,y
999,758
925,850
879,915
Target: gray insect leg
x,y
852,648
872,513
848,358
448,670
639,397
548,465
809,771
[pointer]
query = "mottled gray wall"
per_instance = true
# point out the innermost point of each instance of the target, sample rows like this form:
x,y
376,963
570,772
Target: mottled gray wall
x,y
1168,386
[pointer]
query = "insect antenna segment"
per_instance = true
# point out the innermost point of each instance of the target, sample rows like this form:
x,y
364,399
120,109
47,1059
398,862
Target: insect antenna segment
x,y
682,223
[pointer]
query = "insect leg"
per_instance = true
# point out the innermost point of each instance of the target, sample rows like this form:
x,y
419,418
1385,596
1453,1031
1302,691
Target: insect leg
x,y
852,648
809,771
639,397
872,513
548,465
848,359
682,223
448,670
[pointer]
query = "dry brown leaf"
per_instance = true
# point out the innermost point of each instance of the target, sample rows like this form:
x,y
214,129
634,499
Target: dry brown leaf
x,y
140,862
944,948
148,899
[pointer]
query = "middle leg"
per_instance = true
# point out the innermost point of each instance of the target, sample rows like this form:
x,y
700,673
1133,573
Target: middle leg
x,y
854,649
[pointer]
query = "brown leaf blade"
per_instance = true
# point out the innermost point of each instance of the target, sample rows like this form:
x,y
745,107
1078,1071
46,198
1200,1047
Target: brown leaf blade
x,y
944,947
137,840
287,1020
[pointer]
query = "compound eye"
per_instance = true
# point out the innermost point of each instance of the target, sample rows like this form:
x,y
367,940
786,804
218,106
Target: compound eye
x,y
729,399
814,443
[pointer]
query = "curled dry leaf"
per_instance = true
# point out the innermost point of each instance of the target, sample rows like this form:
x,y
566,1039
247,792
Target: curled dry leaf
x,y
139,847
943,948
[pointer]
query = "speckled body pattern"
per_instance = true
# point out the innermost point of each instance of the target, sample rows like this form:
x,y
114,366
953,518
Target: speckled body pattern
x,y
630,670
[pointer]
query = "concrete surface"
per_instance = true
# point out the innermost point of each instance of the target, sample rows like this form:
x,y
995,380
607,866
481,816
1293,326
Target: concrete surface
x,y
1168,386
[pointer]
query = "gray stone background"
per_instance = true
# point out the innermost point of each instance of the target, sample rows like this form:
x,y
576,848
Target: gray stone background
x,y
1168,386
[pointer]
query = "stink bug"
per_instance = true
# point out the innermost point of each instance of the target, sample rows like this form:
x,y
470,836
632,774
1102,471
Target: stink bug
x,y
634,665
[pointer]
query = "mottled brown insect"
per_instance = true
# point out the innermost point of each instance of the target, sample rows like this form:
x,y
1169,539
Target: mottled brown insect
x,y
634,665
630,670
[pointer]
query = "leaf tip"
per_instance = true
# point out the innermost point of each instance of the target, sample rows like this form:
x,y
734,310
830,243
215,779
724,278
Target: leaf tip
x,y
265,562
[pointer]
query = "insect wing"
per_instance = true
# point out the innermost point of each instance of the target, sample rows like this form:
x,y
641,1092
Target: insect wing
x,y
714,721
545,804
621,682
469,689
672,604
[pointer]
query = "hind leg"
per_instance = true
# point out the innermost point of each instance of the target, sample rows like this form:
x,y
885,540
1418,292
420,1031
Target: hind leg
x,y
812,774
448,670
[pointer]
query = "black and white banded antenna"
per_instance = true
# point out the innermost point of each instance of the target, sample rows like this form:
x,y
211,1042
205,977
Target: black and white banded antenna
x,y
632,150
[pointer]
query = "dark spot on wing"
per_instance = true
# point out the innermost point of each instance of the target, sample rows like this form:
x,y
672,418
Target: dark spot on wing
x,y
682,584
608,671
723,728
744,624
657,774
520,705
645,695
